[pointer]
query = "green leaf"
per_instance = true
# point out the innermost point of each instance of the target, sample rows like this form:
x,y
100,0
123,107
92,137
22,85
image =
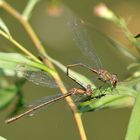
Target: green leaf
x,y
122,96
4,27
133,82
20,102
133,65
2,138
11,60
133,131
7,95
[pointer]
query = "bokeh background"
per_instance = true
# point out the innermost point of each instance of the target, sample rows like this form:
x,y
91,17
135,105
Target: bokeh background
x,y
50,23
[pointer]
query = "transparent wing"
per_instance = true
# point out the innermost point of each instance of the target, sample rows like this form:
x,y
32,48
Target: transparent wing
x,y
36,76
83,41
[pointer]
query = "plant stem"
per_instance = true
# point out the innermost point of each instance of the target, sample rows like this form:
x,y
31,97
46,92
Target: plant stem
x,y
133,131
19,46
30,6
23,20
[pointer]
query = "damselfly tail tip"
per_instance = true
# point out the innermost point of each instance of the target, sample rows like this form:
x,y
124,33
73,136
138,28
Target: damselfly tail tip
x,y
7,121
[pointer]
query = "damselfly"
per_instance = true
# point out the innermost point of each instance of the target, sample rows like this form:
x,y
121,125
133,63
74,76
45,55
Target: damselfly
x,y
85,45
73,91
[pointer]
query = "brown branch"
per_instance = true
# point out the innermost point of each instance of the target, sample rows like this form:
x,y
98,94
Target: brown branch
x,y
40,48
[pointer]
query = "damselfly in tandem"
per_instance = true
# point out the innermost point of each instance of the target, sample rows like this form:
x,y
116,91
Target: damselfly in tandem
x,y
42,78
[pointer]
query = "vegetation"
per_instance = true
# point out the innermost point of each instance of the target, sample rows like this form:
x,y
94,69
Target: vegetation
x,y
125,94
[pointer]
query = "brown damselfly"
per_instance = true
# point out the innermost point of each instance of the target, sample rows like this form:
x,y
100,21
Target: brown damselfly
x,y
74,91
82,40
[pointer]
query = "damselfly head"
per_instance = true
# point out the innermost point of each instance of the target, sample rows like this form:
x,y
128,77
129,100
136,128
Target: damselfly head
x,y
114,80
89,91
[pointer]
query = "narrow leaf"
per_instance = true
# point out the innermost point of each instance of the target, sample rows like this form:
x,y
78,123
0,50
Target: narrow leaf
x,y
11,60
4,27
133,132
122,96
7,95
133,65
2,138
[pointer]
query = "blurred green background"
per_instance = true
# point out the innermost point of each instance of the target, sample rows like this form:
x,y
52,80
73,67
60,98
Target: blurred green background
x,y
50,23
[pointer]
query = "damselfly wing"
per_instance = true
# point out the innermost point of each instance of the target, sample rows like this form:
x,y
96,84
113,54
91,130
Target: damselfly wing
x,y
37,76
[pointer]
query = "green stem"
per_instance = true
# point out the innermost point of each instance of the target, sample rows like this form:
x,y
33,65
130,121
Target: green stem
x,y
133,131
19,46
28,9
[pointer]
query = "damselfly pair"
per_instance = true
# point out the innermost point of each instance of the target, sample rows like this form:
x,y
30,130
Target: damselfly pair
x,y
40,77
